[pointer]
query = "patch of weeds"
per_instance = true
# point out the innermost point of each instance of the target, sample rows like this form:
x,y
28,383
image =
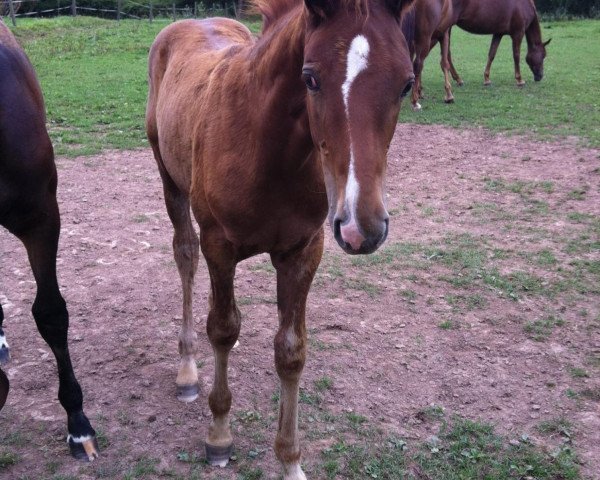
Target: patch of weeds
x,y
355,419
560,426
540,330
309,398
470,302
430,412
447,325
101,438
570,393
248,473
275,397
388,254
144,466
547,186
577,194
248,417
323,383
362,285
545,257
262,267
591,393
514,283
408,294
124,419
494,184
577,372
8,459
17,439
427,211
319,344
578,217
471,450
141,218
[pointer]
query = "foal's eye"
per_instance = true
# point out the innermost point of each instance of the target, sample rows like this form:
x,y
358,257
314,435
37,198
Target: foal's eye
x,y
407,89
310,80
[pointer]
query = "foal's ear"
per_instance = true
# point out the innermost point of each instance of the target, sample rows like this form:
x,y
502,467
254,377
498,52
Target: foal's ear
x,y
546,43
321,9
398,6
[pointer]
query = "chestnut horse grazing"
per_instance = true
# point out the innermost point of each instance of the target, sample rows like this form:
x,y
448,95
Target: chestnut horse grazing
x,y
29,210
517,18
262,138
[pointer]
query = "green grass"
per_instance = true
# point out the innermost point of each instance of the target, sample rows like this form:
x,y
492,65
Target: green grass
x,y
564,103
93,74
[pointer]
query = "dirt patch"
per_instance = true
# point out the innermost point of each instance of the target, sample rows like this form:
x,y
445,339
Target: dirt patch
x,y
484,301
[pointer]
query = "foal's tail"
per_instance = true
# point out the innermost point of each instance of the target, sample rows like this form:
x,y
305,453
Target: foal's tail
x,y
408,29
4,386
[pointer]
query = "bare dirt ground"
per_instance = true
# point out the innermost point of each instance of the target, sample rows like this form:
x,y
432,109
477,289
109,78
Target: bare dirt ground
x,y
484,301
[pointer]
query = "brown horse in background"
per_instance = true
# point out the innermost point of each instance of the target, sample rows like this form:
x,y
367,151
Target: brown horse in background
x,y
261,138
517,18
28,209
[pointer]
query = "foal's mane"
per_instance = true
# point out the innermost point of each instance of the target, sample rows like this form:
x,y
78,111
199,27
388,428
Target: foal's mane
x,y
272,10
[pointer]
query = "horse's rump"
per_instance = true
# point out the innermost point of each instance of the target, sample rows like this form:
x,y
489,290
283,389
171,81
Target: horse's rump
x,y
182,61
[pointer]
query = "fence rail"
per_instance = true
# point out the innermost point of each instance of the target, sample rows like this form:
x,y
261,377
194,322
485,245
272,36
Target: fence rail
x,y
119,11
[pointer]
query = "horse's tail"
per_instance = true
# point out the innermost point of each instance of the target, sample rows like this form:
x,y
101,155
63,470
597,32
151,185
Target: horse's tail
x,y
408,28
4,386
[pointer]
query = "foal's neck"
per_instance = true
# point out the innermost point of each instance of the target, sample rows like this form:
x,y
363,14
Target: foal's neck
x,y
279,101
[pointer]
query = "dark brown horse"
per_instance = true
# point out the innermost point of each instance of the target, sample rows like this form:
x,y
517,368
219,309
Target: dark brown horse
x,y
434,21
29,210
262,138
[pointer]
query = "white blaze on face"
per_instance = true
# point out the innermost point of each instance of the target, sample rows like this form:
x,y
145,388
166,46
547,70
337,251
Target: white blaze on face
x,y
356,62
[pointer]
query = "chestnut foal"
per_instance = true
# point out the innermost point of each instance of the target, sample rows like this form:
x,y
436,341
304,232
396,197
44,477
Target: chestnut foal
x,y
262,138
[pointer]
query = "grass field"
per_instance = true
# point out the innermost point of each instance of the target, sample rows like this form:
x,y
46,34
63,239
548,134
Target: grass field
x,y
93,73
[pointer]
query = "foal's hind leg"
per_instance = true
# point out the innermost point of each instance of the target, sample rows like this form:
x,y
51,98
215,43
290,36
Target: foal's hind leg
x,y
186,252
295,273
223,328
52,320
4,350
491,55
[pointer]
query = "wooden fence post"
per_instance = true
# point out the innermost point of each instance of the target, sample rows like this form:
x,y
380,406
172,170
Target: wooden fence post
x,y
195,9
74,8
119,7
150,13
174,13
11,9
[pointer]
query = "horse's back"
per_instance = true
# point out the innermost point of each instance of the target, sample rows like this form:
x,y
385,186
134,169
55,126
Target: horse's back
x,y
181,61
488,17
27,171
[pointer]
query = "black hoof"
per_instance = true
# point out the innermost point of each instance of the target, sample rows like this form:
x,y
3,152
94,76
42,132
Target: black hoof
x,y
218,456
4,386
449,100
187,393
84,450
461,83
4,355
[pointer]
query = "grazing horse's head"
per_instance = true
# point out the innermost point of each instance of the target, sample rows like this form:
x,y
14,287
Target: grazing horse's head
x,y
535,59
357,69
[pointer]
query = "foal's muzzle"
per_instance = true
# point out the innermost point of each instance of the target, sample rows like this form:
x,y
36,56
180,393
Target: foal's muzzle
x,y
354,240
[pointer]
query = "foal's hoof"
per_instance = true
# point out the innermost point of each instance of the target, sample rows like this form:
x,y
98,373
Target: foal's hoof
x,y
218,456
187,393
460,83
4,354
83,448
521,83
416,107
449,100
487,83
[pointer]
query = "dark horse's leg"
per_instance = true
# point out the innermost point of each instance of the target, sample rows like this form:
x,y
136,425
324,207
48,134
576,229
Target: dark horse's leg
x,y
186,248
4,351
295,272
223,328
4,386
40,238
493,49
516,44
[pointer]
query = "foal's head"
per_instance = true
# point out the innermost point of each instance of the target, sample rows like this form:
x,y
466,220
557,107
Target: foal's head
x,y
357,69
535,59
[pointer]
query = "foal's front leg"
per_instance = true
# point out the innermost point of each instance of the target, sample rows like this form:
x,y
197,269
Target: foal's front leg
x,y
295,273
4,351
223,328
